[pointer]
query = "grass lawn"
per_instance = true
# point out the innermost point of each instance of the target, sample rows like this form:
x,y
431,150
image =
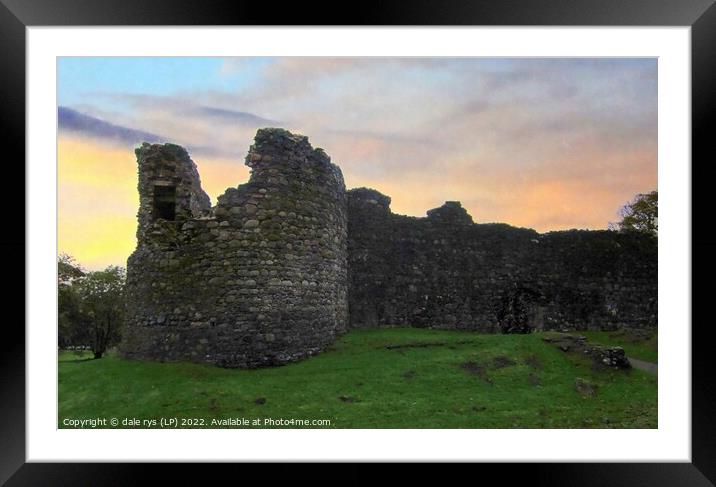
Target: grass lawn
x,y
391,378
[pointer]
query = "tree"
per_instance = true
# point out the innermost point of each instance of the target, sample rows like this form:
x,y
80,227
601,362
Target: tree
x,y
68,269
90,306
639,215
71,330
101,305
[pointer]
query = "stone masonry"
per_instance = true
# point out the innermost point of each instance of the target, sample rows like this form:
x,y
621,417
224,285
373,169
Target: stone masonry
x,y
258,280
444,271
286,263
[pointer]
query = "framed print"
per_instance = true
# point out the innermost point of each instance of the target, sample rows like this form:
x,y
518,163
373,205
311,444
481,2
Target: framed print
x,y
423,235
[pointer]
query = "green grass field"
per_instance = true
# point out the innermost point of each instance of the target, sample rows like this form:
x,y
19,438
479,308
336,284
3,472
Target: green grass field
x,y
393,378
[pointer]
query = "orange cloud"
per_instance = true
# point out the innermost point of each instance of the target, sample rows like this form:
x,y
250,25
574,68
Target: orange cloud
x,y
98,200
219,174
546,198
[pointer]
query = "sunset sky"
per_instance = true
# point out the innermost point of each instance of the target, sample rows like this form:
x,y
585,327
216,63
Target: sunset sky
x,y
549,144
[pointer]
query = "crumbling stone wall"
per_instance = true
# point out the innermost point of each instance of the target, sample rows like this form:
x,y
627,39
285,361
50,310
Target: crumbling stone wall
x,y
444,271
261,279
167,173
285,263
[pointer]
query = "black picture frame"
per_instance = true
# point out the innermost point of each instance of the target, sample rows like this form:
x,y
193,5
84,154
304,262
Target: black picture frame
x,y
700,15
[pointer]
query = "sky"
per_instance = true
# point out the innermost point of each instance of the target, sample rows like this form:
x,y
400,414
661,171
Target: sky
x,y
543,143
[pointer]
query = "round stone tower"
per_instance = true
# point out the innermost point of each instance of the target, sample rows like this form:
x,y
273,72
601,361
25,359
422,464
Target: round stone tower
x,y
258,280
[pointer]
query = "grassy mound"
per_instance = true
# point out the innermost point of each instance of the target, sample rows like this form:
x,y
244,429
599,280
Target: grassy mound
x,y
393,378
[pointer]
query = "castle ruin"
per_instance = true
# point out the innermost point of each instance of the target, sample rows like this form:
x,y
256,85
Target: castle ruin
x,y
283,265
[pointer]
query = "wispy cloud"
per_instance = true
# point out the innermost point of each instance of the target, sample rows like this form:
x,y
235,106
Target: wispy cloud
x,y
73,121
543,143
242,118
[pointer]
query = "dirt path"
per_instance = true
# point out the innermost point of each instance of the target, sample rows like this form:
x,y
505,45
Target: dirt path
x,y
642,365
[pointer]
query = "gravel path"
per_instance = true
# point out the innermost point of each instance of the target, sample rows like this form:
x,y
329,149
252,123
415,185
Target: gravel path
x,y
642,365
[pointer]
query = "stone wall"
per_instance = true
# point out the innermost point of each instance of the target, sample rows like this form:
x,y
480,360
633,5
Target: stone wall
x,y
284,264
260,279
165,172
444,271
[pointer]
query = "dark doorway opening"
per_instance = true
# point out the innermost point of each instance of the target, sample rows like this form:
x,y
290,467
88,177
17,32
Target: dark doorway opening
x,y
165,202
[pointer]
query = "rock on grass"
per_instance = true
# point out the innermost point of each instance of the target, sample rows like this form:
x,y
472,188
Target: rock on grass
x,y
585,388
